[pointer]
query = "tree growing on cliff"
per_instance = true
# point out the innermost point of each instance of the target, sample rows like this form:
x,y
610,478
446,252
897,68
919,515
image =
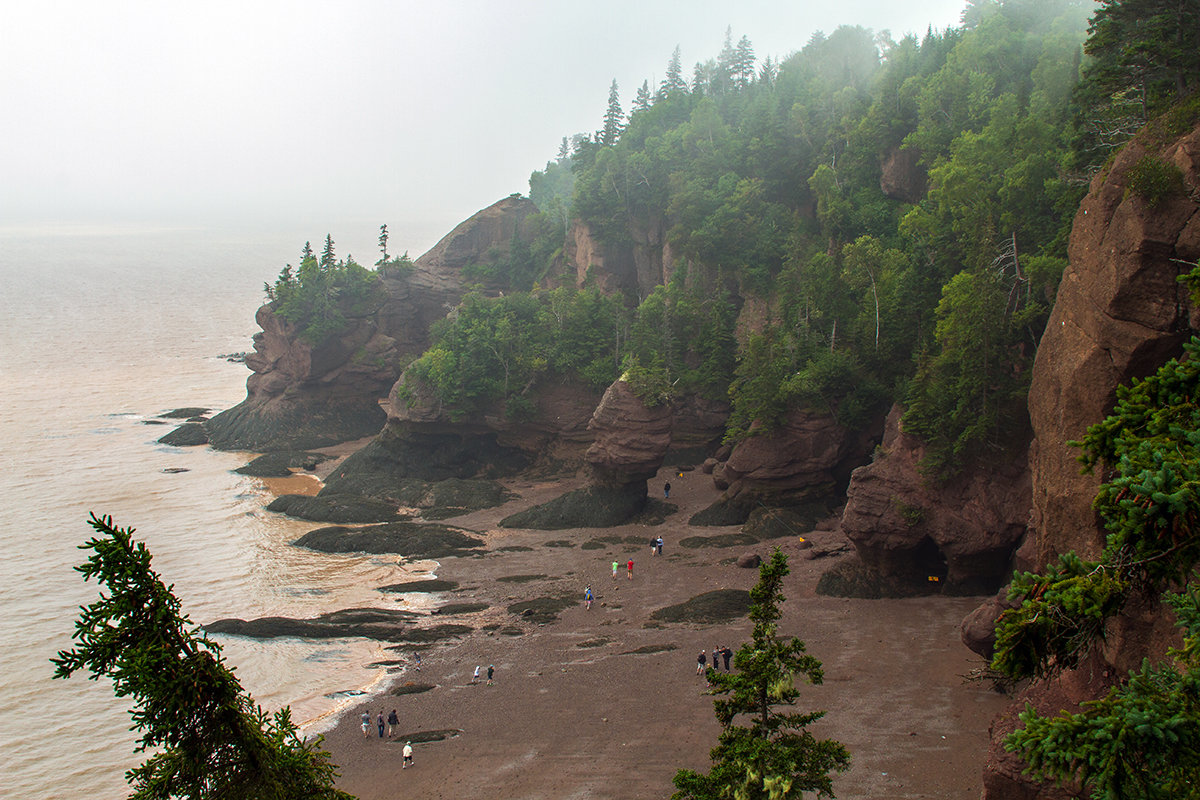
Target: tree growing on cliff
x,y
1142,740
211,739
774,756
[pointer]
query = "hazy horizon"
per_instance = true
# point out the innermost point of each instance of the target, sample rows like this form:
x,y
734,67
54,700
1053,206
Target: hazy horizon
x,y
324,117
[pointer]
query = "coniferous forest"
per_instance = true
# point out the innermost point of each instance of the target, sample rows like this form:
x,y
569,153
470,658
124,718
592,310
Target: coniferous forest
x,y
863,222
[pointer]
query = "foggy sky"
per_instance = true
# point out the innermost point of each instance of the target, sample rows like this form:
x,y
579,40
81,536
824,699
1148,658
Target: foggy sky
x,y
340,116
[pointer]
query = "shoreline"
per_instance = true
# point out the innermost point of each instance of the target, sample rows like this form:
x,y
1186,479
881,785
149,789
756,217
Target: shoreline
x,y
606,703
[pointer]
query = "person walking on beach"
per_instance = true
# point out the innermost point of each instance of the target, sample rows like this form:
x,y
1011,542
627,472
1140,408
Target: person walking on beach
x,y
408,762
658,546
417,661
491,672
366,725
630,569
380,724
587,598
716,652
726,654
667,490
615,565
475,677
393,721
700,662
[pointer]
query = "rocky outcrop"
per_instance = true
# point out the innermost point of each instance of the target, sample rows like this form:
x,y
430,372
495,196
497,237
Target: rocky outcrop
x,y
630,441
631,438
633,268
902,176
957,539
304,395
807,460
1120,314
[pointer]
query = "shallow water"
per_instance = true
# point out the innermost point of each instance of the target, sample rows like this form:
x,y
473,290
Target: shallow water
x,y
101,332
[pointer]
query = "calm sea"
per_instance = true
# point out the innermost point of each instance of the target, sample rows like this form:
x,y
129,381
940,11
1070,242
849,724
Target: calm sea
x,y
101,331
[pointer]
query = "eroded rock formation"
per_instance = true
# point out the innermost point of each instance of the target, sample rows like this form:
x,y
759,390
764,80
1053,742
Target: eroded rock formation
x,y
807,460
957,538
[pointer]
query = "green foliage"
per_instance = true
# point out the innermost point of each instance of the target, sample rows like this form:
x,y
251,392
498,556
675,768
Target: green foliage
x,y
688,333
1144,51
1140,741
497,349
1062,612
210,739
320,296
1152,439
1154,179
651,385
395,266
968,396
774,755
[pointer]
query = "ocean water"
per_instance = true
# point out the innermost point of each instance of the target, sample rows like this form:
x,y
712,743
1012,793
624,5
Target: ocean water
x,y
102,331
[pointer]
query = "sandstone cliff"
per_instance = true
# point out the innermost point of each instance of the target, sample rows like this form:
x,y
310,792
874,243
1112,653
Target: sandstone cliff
x,y
302,395
1120,314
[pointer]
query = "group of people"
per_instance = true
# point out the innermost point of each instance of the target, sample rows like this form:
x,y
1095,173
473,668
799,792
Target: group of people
x,y
393,719
720,651
491,672
616,565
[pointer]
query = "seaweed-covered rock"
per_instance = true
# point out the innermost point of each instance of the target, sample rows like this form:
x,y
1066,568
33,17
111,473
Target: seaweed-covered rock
x,y
282,464
189,434
542,610
428,585
589,507
387,465
777,523
410,539
723,512
722,605
387,625
343,508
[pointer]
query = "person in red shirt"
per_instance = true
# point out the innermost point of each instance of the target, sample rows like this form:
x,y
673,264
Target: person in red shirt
x,y
630,565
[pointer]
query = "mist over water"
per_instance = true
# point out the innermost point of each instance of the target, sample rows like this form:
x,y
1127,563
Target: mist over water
x,y
100,333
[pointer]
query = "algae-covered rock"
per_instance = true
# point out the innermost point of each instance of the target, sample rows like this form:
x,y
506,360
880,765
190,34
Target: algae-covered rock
x,y
709,608
590,507
410,539
342,508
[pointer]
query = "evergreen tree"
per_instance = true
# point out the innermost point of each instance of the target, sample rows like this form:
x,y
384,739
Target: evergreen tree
x,y
1142,740
1146,50
642,101
743,63
383,241
773,756
210,739
328,259
613,117
674,83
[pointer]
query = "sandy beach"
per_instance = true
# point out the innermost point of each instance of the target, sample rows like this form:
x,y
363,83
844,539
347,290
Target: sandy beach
x,y
606,703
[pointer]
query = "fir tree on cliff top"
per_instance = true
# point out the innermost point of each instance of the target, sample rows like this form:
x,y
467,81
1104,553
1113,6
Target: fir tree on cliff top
x,y
773,755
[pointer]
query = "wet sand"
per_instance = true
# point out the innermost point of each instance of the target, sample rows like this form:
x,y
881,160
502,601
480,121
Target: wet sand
x,y
606,703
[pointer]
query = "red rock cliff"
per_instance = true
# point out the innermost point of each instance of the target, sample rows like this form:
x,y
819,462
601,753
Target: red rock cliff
x,y
1120,314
